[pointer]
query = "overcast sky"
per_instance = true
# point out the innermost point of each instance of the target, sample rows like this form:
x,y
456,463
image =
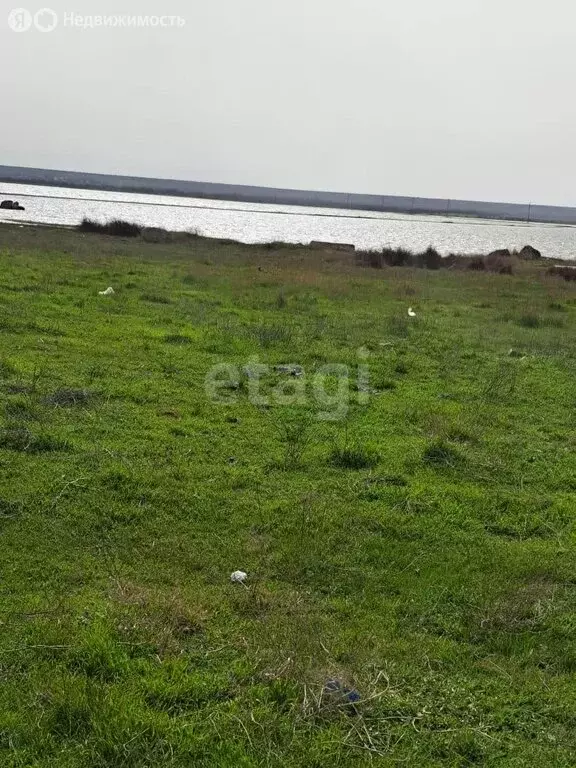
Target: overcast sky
x,y
444,98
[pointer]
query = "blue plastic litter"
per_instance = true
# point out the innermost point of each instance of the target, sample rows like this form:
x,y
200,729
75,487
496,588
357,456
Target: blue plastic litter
x,y
335,687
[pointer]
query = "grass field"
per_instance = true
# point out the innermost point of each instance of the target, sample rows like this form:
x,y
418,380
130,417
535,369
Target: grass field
x,y
418,549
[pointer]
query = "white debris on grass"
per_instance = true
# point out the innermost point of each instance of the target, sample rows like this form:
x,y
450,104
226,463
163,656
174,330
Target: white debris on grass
x,y
411,312
108,292
238,577
517,355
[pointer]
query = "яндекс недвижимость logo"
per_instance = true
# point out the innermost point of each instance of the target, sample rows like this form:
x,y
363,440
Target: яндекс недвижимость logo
x,y
21,20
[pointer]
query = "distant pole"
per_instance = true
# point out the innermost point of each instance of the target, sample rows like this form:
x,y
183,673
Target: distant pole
x,y
529,211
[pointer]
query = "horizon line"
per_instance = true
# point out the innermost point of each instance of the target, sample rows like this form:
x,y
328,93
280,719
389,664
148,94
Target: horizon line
x,y
526,212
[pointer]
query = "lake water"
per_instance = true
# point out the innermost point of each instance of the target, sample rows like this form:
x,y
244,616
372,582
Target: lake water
x,y
257,223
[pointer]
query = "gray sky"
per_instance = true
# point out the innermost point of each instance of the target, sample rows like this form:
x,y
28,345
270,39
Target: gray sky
x,y
444,98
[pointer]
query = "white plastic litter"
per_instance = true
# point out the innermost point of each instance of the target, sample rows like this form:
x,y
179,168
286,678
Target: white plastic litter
x,y
238,577
411,312
108,292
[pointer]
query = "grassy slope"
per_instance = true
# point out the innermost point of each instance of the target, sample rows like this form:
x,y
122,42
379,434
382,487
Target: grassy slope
x,y
448,602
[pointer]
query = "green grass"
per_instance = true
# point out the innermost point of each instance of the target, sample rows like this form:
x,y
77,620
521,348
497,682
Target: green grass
x,y
419,549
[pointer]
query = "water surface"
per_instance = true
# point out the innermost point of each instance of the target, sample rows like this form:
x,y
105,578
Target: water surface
x,y
258,223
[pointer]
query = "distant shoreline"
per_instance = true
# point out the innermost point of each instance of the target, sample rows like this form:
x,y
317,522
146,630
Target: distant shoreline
x,y
526,213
